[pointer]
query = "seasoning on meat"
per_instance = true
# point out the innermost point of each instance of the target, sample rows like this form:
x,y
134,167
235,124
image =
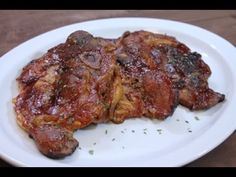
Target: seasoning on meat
x,y
89,80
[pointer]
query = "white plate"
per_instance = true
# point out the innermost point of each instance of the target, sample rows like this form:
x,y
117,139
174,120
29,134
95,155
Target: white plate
x,y
175,146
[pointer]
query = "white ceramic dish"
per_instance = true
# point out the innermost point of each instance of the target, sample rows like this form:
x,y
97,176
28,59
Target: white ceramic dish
x,y
174,146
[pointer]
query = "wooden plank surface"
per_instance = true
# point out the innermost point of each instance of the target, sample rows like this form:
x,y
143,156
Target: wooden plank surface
x,y
19,26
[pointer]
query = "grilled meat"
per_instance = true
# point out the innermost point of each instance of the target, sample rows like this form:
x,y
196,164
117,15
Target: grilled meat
x,y
188,72
68,88
89,80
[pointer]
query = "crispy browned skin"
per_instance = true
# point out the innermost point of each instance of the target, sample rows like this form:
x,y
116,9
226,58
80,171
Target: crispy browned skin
x,y
90,80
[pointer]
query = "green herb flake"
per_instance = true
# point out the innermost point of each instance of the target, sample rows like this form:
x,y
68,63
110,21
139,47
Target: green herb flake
x,y
189,130
145,129
196,118
177,120
91,152
113,139
186,121
94,143
133,131
106,106
122,131
145,133
60,82
105,131
80,148
159,131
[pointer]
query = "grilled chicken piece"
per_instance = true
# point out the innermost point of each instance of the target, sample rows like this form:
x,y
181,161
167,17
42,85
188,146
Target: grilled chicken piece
x,y
91,80
188,72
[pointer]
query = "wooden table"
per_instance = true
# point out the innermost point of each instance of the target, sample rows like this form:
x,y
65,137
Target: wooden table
x,y
19,26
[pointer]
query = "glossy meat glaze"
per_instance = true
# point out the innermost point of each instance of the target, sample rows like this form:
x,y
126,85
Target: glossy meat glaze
x,y
89,80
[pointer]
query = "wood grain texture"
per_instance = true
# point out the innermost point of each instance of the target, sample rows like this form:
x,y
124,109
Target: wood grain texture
x,y
19,26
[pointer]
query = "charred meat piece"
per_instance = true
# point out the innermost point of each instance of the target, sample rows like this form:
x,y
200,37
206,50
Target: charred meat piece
x,y
54,141
188,72
68,88
160,97
89,80
148,91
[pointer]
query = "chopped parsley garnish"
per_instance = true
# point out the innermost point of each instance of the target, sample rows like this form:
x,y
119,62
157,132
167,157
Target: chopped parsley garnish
x,y
80,148
106,106
105,131
189,130
91,152
122,131
145,133
177,120
145,129
197,118
133,131
159,131
186,121
113,139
